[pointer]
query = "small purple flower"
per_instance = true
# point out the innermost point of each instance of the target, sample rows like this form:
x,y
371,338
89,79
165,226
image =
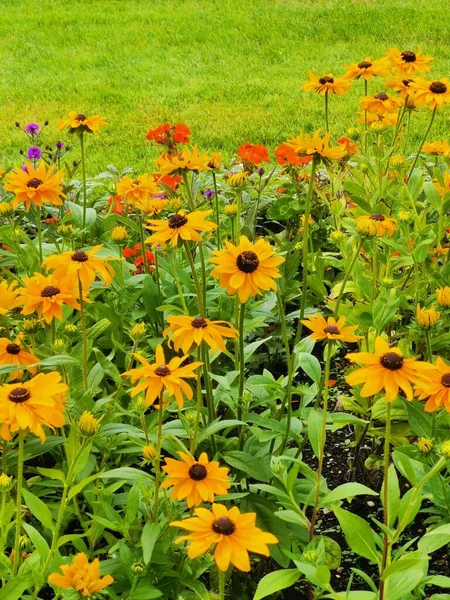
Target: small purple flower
x,y
261,172
158,196
59,145
25,168
34,153
209,194
32,129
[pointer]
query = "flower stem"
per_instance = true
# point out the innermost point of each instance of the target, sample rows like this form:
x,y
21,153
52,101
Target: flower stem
x,y
83,335
198,289
177,282
141,235
327,125
158,455
18,505
241,361
383,590
424,139
287,400
39,228
216,203
347,276
365,117
83,171
198,408
221,585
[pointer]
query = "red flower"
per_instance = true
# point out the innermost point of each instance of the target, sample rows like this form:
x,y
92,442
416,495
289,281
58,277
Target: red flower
x,y
331,382
51,220
253,153
139,262
171,181
346,141
181,133
129,252
170,135
119,204
158,135
286,156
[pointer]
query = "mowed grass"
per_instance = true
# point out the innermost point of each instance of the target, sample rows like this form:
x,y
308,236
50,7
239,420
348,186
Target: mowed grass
x,y
231,69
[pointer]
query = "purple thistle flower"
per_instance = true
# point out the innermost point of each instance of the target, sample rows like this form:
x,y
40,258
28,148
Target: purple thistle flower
x,y
32,129
25,168
261,172
34,153
158,196
59,145
209,194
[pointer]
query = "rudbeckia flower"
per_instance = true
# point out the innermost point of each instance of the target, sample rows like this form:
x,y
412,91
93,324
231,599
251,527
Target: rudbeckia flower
x,y
401,86
184,331
159,376
443,296
215,160
434,94
35,185
427,317
32,404
381,103
386,369
330,329
84,265
80,123
409,62
151,206
434,384
368,68
137,189
180,226
305,145
12,353
327,84
197,481
9,296
247,268
82,576
437,148
375,224
47,295
233,534
187,160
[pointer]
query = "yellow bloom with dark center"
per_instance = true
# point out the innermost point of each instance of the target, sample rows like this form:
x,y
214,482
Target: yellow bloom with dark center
x,y
47,295
316,146
151,206
82,264
379,122
434,94
368,68
409,62
437,148
88,425
82,576
401,86
9,296
137,189
386,369
33,404
425,445
375,225
35,185
427,317
179,227
443,296
80,123
327,84
158,377
12,353
184,331
248,268
330,329
196,480
215,160
381,103
433,385
233,534
187,160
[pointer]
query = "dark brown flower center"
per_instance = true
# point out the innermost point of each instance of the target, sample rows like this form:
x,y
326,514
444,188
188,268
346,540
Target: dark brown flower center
x,y
247,262
377,217
162,371
136,182
364,64
224,526
177,221
80,117
437,87
381,96
13,348
49,291
199,323
391,361
79,256
445,380
406,82
198,472
332,329
326,79
19,395
34,183
409,56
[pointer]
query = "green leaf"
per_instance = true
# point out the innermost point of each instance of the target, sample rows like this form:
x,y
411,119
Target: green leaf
x,y
315,429
38,509
149,538
52,474
14,589
419,420
129,474
38,541
250,349
358,533
76,489
310,365
435,539
251,465
215,427
276,581
393,495
400,581
292,517
59,360
408,504
347,490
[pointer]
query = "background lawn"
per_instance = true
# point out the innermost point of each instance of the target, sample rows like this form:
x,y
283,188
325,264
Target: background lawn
x,y
231,69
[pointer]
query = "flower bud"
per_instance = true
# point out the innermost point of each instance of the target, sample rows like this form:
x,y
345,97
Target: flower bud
x,y
30,325
427,317
137,331
445,449
230,209
237,179
337,236
66,231
425,445
24,541
5,482
404,216
70,329
310,556
443,296
119,234
148,452
88,425
137,568
6,210
59,345
387,282
398,160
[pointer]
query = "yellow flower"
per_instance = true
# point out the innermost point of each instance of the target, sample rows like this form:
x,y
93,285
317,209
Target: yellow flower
x,y
310,220
138,189
381,103
434,384
180,226
443,296
9,296
437,148
159,376
148,452
425,445
401,86
5,482
184,331
151,206
137,331
88,424
119,234
187,160
12,353
197,481
246,268
47,295
427,317
327,84
330,329
230,209
306,145
234,535
32,404
82,576
237,179
404,216
445,449
215,160
409,62
380,122
80,123
80,264
368,68
35,185
398,160
375,224
6,209
434,94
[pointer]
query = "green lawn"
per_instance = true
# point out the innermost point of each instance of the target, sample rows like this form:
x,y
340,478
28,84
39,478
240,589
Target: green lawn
x,y
231,69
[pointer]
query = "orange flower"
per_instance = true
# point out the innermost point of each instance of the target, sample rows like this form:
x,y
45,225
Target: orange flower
x,y
84,265
327,84
315,146
47,295
82,576
9,297
380,104
35,185
408,61
12,353
254,154
80,123
287,157
401,86
137,189
368,68
347,142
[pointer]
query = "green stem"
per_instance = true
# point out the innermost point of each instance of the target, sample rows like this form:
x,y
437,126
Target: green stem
x,y
216,203
424,139
83,170
177,282
326,112
221,585
83,335
241,361
365,117
209,391
39,228
158,455
387,446
141,235
287,400
348,274
193,444
18,505
198,289
204,278
238,218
